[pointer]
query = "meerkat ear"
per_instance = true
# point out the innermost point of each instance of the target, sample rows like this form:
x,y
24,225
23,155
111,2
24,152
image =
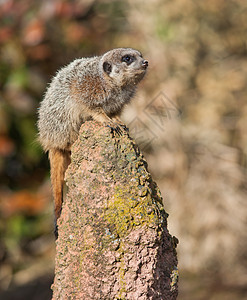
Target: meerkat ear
x,y
107,67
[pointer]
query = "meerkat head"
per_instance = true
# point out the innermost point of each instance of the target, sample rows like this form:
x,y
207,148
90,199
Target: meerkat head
x,y
124,66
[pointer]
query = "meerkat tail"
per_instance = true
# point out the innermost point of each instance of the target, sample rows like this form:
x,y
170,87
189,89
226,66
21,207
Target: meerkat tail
x,y
59,161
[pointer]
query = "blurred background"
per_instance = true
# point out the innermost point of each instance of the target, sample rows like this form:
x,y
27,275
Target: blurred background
x,y
189,117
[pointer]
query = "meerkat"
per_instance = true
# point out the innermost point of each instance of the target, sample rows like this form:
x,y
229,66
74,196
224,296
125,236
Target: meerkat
x,y
88,88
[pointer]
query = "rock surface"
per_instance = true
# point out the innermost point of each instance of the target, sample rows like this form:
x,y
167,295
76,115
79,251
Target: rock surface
x,y
113,240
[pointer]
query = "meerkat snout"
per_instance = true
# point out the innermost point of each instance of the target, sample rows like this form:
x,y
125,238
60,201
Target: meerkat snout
x,y
145,63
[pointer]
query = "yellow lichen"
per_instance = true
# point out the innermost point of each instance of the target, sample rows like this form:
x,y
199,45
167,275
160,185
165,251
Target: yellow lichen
x,y
125,210
174,278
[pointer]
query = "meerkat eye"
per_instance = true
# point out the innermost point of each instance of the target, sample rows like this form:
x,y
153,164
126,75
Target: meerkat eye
x,y
128,59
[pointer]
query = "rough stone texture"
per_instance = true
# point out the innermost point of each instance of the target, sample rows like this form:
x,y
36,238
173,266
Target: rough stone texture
x,y
113,240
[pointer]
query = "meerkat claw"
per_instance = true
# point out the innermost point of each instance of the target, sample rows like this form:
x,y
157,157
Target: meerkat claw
x,y
116,129
124,127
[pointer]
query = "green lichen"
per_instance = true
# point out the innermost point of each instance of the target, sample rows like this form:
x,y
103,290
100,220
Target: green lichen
x,y
127,210
174,278
122,291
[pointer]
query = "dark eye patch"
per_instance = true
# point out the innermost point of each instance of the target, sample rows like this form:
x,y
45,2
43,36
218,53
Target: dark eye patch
x,y
128,59
107,67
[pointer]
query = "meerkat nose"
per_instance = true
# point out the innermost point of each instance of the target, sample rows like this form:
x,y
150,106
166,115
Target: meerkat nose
x,y
145,63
